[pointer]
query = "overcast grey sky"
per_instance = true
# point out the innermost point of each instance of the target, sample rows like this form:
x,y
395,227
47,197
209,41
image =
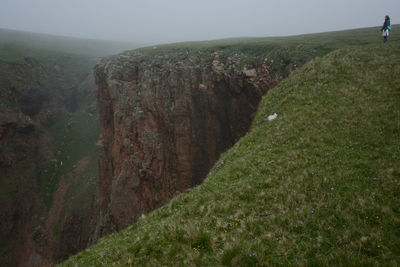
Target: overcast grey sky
x,y
160,21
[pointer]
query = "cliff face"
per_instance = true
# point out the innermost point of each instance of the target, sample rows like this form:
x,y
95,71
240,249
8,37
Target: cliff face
x,y
165,120
49,128
40,221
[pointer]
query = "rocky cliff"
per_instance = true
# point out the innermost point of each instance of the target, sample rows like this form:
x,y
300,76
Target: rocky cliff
x,y
41,103
49,128
167,115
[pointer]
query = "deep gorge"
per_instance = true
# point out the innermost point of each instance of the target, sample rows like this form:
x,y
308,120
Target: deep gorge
x,y
166,118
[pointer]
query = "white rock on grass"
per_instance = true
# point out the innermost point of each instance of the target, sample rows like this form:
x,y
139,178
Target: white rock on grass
x,y
272,117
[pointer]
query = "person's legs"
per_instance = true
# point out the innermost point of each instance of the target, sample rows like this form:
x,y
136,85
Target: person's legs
x,y
385,34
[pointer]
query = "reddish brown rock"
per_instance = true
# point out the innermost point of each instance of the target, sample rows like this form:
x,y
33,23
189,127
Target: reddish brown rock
x,y
165,120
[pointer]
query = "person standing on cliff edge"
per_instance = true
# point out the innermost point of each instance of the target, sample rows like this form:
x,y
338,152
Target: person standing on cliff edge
x,y
386,28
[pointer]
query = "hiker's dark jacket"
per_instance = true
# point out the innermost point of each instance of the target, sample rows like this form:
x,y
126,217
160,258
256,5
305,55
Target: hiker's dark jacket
x,y
386,24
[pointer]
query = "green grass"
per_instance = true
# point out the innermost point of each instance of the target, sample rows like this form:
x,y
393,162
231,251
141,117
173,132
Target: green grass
x,y
316,186
75,138
298,49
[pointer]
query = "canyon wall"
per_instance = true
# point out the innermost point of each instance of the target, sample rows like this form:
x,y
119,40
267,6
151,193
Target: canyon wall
x,y
165,119
48,194
49,128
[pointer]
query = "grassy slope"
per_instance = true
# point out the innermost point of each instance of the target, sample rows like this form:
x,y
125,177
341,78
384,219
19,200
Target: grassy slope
x,y
74,142
301,48
318,185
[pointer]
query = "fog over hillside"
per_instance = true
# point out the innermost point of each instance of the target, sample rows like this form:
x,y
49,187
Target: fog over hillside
x,y
114,112
158,21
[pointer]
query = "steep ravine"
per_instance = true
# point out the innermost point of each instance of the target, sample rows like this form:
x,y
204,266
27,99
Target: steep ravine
x,y
166,116
49,128
41,106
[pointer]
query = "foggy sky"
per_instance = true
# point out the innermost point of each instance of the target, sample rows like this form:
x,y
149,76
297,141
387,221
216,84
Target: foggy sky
x,y
162,21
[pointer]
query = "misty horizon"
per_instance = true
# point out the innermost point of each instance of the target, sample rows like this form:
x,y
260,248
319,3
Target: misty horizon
x,y
155,21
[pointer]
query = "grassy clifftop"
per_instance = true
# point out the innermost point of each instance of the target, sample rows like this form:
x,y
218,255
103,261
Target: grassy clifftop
x,y
317,185
300,48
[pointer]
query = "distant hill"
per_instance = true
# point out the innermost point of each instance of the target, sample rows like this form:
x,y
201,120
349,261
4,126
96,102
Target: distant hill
x,y
46,42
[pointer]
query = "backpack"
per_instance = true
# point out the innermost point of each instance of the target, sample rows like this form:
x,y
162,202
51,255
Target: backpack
x,y
389,26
